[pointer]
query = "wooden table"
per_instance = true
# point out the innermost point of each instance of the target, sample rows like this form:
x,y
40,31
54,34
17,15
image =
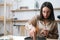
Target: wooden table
x,y
10,37
52,39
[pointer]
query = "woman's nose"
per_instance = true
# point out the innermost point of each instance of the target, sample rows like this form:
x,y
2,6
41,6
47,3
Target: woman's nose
x,y
45,14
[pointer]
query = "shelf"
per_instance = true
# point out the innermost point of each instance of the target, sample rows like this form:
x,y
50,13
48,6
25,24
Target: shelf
x,y
1,18
25,20
56,8
57,20
6,4
12,20
20,20
22,10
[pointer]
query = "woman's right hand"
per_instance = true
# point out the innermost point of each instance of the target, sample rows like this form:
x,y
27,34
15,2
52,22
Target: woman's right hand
x,y
32,32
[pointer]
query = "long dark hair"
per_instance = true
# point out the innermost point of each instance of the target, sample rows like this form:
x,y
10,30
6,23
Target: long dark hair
x,y
49,5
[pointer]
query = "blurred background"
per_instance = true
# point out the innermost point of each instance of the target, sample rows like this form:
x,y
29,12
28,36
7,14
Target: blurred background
x,y
15,13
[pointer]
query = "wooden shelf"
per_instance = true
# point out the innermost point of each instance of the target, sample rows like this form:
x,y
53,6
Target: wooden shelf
x,y
12,20
1,18
56,8
24,20
22,10
20,20
57,20
9,20
6,4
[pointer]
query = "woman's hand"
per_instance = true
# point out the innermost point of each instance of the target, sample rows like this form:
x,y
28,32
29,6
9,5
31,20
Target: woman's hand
x,y
44,32
32,32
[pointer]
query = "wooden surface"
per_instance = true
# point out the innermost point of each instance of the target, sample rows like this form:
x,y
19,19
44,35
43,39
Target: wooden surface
x,y
17,37
52,39
1,4
24,20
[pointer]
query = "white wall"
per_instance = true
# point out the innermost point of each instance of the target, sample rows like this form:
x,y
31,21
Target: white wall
x,y
31,3
28,3
56,13
54,2
1,11
24,15
1,23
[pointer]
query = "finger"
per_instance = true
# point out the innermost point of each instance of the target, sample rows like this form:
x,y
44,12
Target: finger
x,y
31,35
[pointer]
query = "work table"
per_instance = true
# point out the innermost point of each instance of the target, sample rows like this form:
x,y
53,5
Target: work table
x,y
10,37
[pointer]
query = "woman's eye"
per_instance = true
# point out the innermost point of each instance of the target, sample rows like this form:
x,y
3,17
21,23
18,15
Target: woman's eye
x,y
43,11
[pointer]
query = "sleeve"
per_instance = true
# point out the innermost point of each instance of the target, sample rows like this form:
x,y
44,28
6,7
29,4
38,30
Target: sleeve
x,y
30,24
54,33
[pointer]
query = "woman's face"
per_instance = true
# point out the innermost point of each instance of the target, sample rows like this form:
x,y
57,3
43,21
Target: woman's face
x,y
46,12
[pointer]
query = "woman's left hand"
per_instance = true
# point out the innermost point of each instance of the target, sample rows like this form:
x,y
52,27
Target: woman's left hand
x,y
45,32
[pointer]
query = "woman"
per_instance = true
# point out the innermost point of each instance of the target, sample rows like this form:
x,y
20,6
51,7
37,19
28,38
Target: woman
x,y
43,25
